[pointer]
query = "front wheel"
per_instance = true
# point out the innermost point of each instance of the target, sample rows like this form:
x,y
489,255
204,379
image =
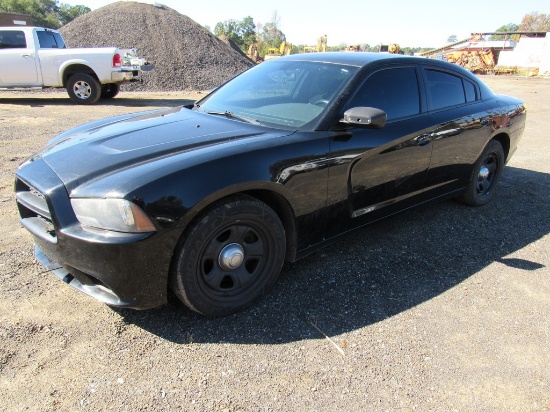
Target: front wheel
x,y
230,257
485,176
83,88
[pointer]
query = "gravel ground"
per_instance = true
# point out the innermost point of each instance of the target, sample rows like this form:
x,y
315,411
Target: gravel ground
x,y
442,308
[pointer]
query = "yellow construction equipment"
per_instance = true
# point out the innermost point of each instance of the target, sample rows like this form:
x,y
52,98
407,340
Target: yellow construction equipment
x,y
392,48
476,61
354,48
479,54
284,50
252,53
321,45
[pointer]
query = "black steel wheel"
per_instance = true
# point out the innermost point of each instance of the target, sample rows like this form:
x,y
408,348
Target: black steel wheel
x,y
230,257
83,88
109,91
485,176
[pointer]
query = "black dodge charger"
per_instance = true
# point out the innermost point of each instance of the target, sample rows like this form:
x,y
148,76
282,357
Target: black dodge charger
x,y
210,200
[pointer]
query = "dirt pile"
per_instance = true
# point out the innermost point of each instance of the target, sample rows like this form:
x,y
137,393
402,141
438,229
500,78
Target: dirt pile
x,y
186,55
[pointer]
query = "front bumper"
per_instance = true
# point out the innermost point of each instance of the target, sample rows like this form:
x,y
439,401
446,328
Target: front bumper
x,y
97,291
120,269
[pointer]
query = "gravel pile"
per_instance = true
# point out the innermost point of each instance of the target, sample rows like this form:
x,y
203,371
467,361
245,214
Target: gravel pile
x,y
186,56
231,44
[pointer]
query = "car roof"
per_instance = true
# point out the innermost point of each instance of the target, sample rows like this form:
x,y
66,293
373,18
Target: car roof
x,y
363,59
350,58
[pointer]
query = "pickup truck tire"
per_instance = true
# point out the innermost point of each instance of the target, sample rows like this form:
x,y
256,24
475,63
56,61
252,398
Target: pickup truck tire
x,y
83,88
108,91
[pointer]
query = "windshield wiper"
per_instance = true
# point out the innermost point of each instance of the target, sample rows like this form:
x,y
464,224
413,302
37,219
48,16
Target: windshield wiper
x,y
230,115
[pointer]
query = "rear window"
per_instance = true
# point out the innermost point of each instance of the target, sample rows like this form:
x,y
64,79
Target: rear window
x,y
12,39
470,90
50,40
447,90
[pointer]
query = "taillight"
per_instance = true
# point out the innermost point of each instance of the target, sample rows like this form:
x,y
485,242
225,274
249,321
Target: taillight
x,y
117,61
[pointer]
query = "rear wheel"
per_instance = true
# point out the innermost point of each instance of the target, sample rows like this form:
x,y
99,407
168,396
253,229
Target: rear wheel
x,y
108,91
230,257
83,88
485,176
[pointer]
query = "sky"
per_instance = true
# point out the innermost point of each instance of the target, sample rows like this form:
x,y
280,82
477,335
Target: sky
x,y
427,23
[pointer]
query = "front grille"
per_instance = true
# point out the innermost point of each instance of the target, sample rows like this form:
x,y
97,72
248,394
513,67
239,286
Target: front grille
x,y
34,211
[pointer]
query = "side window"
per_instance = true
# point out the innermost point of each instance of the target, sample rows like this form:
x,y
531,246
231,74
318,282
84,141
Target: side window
x,y
12,39
46,39
445,90
470,90
393,90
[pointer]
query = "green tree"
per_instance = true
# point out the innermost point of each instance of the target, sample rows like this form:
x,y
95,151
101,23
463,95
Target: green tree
x,y
510,27
242,33
535,21
46,13
68,13
452,39
269,34
247,28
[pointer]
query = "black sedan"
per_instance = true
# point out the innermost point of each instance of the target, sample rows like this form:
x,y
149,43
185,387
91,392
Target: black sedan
x,y
210,200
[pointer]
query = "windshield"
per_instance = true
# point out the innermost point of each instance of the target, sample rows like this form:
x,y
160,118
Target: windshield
x,y
291,94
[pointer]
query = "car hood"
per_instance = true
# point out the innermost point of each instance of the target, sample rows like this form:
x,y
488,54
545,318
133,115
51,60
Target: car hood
x,y
105,146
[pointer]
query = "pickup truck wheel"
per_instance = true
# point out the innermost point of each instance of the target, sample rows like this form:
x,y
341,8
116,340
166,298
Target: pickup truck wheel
x,y
108,91
230,257
83,89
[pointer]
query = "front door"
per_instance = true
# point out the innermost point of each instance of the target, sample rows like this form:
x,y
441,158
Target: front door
x,y
374,172
17,62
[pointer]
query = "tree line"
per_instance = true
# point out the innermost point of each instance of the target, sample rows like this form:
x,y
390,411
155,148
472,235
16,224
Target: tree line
x,y
531,22
245,32
45,13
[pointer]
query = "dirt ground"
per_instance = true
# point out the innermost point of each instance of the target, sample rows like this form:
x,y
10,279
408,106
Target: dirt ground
x,y
442,308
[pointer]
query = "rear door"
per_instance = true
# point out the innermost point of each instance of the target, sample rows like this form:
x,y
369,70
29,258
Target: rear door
x,y
463,127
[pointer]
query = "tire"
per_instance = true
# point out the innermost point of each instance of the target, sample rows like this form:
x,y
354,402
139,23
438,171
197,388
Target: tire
x,y
109,91
83,88
485,176
230,257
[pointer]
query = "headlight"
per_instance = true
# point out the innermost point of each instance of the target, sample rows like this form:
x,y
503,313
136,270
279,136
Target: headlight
x,y
112,214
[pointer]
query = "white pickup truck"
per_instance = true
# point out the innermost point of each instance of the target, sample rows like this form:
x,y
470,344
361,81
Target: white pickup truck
x,y
35,57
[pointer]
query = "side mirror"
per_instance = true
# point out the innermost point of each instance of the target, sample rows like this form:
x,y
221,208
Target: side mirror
x,y
368,117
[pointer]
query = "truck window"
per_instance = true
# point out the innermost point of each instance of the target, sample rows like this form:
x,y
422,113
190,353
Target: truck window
x,y
50,40
12,39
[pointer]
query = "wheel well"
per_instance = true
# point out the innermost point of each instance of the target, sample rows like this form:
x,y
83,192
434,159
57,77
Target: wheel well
x,y
504,140
283,209
77,68
275,201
